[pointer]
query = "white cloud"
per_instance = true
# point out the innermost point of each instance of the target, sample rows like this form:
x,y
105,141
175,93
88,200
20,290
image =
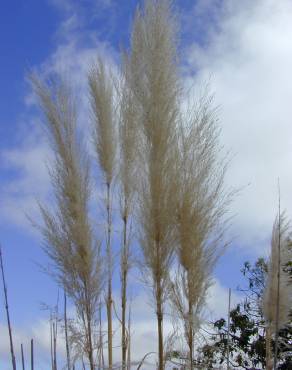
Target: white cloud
x,y
217,300
248,56
25,177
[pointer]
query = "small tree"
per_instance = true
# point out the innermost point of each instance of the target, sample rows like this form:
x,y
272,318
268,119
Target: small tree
x,y
247,329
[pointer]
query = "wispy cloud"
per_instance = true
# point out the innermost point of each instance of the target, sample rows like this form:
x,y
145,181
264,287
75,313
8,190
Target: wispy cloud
x,y
248,55
69,5
78,17
24,178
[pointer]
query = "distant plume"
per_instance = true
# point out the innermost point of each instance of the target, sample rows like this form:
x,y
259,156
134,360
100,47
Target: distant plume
x,y
281,237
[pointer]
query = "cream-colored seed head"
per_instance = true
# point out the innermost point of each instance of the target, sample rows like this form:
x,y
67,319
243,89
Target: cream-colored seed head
x,y
102,103
153,82
128,141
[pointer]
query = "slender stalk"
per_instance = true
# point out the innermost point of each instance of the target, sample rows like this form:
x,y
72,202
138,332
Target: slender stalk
x,y
89,329
56,332
22,357
143,359
51,341
129,341
31,355
160,338
269,365
100,357
90,351
124,264
55,345
191,337
228,331
66,333
99,343
278,284
109,294
7,312
159,313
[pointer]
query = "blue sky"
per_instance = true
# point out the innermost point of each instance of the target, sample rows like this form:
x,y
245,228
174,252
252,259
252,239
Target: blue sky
x,y
243,48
